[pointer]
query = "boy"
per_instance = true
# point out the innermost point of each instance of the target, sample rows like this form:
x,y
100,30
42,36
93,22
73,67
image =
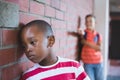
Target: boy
x,y
37,39
91,55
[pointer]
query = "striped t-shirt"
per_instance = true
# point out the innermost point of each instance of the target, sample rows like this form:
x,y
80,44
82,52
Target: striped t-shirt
x,y
63,69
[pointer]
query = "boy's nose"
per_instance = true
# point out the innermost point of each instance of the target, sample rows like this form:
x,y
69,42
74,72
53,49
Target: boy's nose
x,y
28,49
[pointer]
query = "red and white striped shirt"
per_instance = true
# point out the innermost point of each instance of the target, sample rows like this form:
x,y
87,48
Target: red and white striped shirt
x,y
63,69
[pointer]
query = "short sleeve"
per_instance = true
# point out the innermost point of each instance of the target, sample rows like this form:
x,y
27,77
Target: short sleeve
x,y
81,74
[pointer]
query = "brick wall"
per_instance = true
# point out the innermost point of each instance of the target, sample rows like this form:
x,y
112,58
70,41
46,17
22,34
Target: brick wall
x,y
61,14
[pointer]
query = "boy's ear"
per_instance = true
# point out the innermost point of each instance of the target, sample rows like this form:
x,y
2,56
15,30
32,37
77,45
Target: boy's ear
x,y
51,41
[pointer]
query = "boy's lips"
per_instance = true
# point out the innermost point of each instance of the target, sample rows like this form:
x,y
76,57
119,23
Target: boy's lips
x,y
31,56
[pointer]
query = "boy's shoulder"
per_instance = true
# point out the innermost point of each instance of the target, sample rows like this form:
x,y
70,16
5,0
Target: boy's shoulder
x,y
69,62
66,60
86,32
61,61
35,66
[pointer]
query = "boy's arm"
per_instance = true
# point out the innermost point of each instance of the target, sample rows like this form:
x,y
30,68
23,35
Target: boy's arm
x,y
73,34
97,46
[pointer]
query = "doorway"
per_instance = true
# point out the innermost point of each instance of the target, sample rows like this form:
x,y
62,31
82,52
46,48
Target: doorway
x,y
114,40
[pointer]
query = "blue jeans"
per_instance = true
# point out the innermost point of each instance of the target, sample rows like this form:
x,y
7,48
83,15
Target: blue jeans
x,y
94,71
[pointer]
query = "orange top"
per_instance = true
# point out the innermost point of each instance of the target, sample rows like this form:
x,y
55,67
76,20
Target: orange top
x,y
90,55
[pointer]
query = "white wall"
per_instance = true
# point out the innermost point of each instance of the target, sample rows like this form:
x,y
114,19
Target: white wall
x,y
101,11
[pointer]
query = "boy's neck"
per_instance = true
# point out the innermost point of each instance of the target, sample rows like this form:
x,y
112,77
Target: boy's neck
x,y
92,30
49,60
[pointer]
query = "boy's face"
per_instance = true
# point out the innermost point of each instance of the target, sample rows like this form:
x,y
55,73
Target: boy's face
x,y
90,23
35,44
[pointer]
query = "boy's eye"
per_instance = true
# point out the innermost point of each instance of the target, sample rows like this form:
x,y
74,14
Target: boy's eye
x,y
33,42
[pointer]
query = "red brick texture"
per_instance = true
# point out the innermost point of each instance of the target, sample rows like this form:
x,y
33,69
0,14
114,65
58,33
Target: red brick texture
x,y
7,56
61,14
24,5
37,8
9,37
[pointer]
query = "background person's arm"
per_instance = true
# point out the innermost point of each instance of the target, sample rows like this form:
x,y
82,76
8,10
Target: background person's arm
x,y
97,46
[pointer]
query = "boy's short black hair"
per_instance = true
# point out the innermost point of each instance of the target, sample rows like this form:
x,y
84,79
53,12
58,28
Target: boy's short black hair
x,y
89,15
42,25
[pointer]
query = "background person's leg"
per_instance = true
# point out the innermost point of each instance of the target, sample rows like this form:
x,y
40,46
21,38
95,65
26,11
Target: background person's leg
x,y
89,70
99,71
